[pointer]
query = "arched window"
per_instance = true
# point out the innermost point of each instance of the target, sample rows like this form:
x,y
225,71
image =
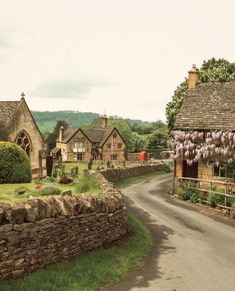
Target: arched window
x,y
23,141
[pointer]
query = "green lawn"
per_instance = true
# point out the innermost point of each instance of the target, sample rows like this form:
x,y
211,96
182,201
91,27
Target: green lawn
x,y
8,191
92,270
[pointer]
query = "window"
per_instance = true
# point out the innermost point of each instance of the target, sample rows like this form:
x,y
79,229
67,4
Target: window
x,y
23,141
114,135
79,156
113,157
109,145
224,170
119,145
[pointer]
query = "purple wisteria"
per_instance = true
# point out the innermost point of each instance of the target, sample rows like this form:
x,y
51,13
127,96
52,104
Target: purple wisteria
x,y
196,146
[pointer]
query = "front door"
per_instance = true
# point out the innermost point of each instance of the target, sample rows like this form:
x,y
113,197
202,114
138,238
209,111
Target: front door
x,y
190,171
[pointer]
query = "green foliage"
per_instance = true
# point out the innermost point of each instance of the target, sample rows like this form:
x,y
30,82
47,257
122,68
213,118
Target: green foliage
x,y
215,199
14,164
211,71
88,184
173,107
157,141
167,168
217,71
194,196
4,132
47,119
189,192
49,190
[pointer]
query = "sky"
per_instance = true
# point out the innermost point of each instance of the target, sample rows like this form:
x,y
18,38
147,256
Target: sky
x,y
121,57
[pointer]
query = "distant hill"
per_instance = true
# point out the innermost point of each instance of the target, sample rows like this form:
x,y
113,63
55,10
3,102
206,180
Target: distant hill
x,y
46,120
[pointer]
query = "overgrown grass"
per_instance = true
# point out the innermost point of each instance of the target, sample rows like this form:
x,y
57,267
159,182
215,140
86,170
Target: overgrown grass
x,y
136,179
89,184
92,270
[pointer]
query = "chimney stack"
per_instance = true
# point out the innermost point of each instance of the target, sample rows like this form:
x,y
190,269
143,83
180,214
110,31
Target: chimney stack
x,y
193,77
104,121
61,133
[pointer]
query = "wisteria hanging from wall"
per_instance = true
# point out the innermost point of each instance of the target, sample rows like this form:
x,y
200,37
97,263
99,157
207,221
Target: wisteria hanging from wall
x,y
197,145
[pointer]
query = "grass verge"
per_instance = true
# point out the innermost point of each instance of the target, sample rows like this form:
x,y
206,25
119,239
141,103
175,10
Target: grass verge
x,y
92,270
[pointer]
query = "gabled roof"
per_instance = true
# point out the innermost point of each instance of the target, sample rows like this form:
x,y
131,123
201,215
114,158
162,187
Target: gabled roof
x,y
209,106
8,110
97,135
68,134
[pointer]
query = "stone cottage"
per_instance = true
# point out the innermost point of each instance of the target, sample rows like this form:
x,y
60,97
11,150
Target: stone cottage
x,y
99,144
23,130
204,131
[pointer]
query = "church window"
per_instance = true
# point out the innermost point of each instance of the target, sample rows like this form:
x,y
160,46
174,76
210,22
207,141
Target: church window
x,y
23,141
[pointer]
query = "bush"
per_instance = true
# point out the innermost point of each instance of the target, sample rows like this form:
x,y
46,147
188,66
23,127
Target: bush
x,y
189,193
14,164
89,183
215,199
194,196
65,180
185,193
50,190
166,168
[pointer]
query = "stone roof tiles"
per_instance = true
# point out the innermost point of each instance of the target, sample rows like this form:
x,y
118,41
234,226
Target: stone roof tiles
x,y
210,106
8,110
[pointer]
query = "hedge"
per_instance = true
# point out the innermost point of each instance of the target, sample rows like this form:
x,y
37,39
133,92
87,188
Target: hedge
x,y
14,164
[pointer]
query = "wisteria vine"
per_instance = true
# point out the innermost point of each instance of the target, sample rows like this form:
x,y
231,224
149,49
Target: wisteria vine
x,y
197,145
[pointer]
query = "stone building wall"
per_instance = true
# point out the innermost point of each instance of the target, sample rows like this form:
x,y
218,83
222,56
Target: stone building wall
x,y
23,120
67,148
111,147
41,232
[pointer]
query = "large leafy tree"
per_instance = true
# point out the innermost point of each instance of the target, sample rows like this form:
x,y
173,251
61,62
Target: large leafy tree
x,y
211,71
157,141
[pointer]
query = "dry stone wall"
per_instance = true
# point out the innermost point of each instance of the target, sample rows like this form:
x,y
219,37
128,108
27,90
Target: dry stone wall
x,y
117,174
41,232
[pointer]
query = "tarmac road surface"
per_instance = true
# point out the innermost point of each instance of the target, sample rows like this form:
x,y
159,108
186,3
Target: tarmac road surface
x,y
194,249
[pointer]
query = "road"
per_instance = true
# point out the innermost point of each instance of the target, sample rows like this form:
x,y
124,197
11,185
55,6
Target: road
x,y
192,250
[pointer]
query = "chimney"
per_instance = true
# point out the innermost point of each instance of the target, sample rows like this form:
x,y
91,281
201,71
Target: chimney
x,y
104,121
193,77
61,133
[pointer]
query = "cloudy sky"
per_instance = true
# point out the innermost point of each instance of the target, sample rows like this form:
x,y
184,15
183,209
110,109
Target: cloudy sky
x,y
122,56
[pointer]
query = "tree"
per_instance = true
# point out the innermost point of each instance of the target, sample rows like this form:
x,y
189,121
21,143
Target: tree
x,y
157,141
52,137
4,133
211,71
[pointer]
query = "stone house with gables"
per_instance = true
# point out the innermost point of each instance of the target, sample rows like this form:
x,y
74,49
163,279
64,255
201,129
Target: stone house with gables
x,y
204,131
23,130
99,144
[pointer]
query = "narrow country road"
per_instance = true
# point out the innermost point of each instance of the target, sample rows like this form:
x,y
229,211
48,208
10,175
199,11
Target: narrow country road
x,y
192,251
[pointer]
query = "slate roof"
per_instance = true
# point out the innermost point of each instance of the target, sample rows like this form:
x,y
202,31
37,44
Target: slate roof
x,y
210,106
97,135
8,110
68,133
